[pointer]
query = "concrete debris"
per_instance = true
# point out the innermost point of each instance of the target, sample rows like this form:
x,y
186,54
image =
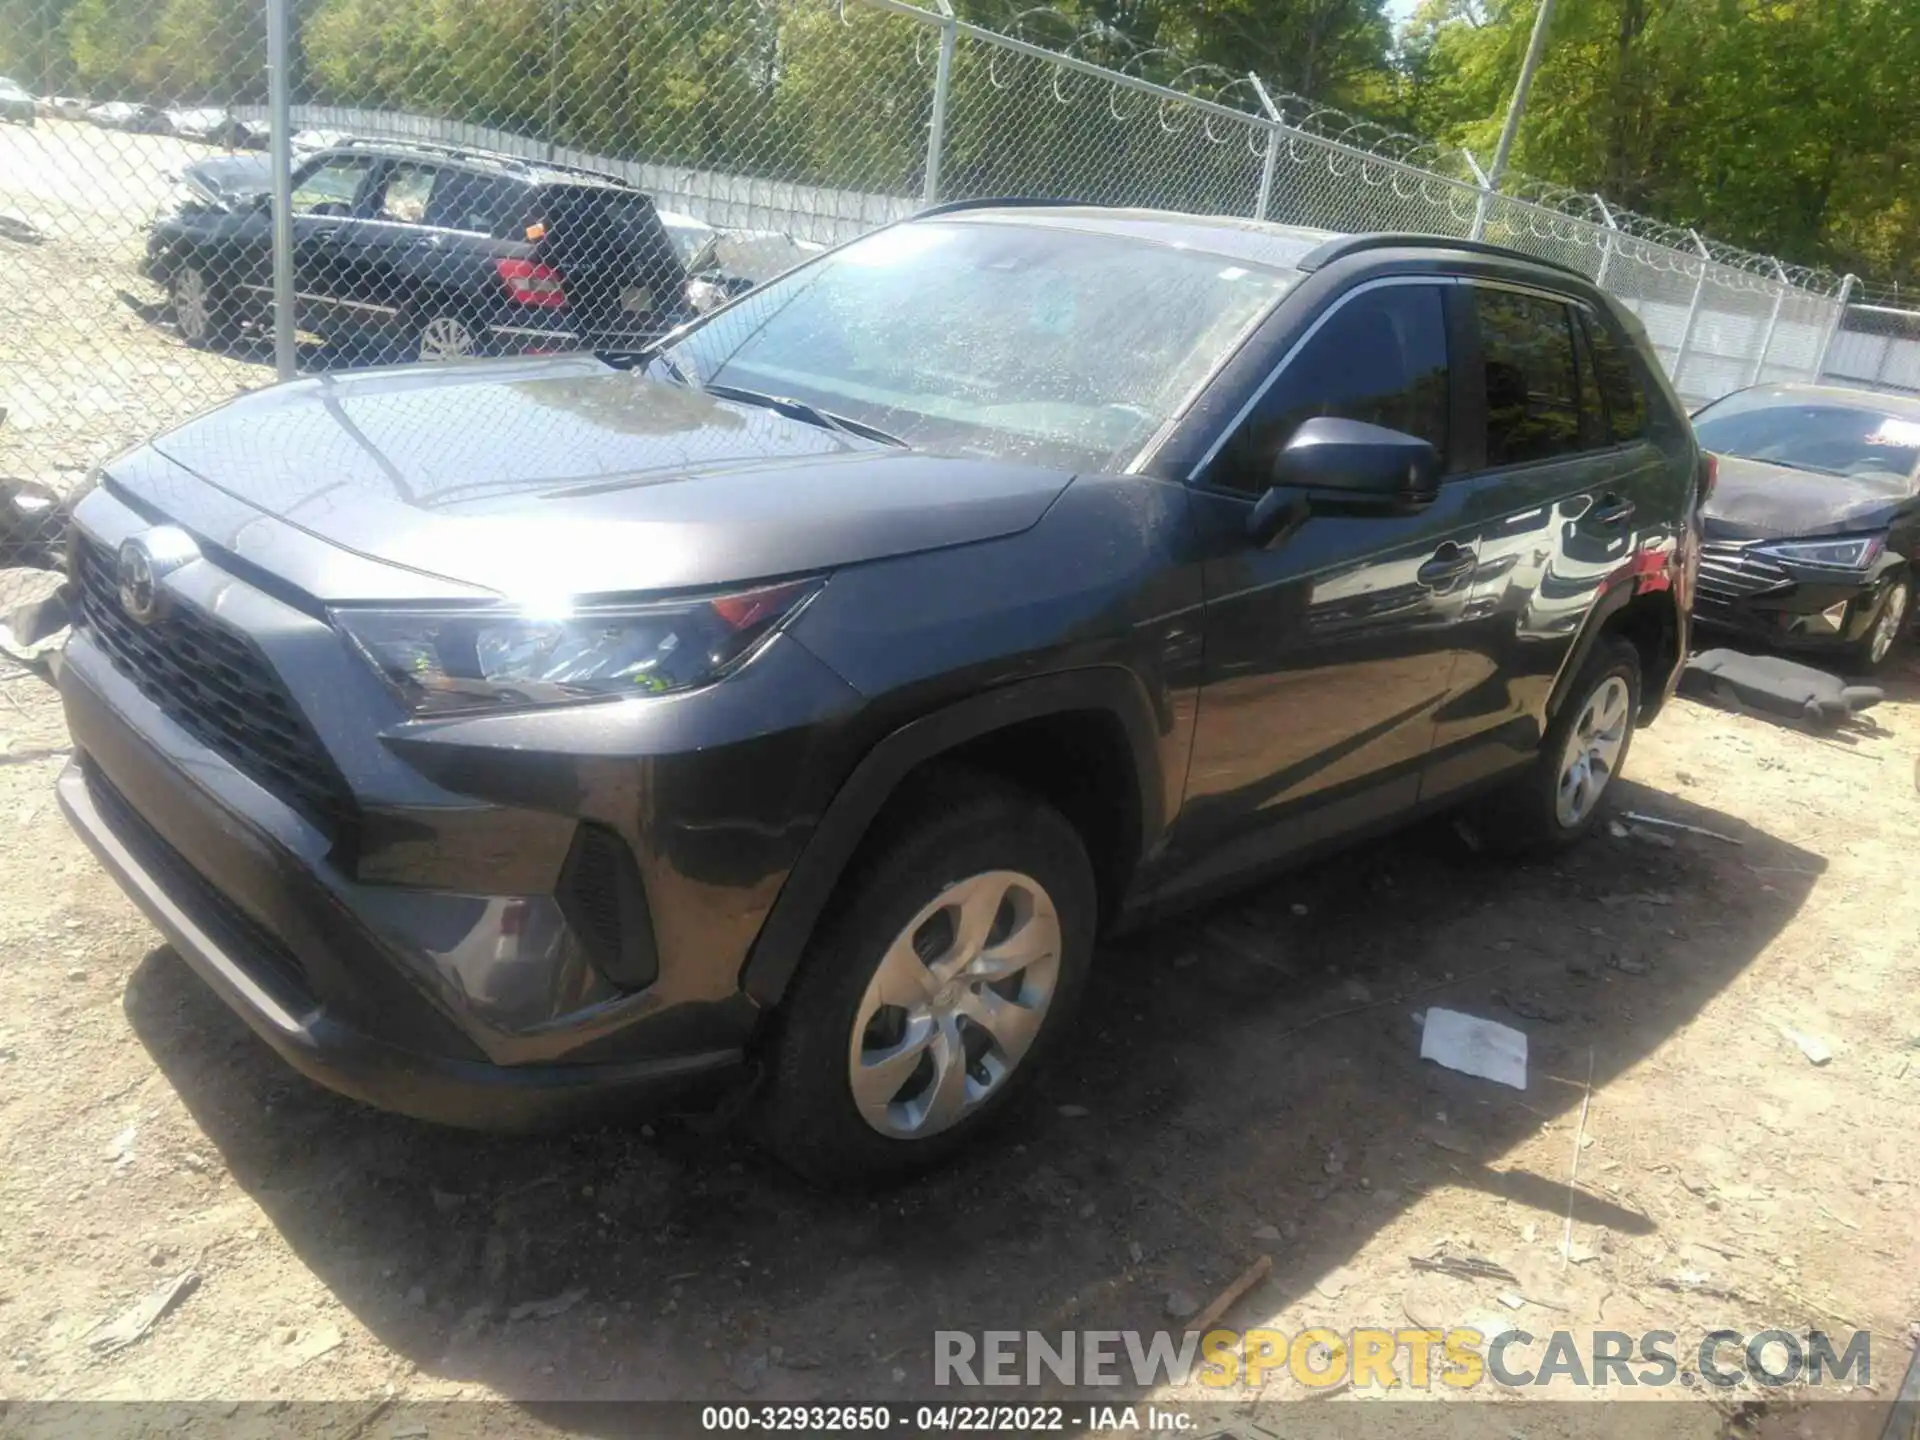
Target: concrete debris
x,y
547,1309
133,1323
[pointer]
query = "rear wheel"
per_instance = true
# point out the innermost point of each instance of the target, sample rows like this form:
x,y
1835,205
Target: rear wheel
x,y
446,337
1558,800
1896,604
944,974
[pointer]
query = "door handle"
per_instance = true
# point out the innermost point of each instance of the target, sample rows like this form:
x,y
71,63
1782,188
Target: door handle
x,y
1612,510
1448,564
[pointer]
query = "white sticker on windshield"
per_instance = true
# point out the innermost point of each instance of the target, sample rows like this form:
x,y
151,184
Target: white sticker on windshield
x,y
1896,432
1233,272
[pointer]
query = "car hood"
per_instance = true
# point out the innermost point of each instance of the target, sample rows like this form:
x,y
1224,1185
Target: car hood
x,y
1754,500
537,478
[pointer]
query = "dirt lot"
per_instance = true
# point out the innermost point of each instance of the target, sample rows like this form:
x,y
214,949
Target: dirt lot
x,y
1245,1082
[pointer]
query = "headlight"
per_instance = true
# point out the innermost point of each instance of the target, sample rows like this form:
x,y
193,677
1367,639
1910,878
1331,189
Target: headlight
x,y
1852,552
444,661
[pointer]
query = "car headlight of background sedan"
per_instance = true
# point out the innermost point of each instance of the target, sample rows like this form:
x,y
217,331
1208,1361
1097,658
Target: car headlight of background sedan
x,y
1847,552
450,661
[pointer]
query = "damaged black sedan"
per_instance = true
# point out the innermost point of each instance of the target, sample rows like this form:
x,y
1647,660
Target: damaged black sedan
x,y
1813,528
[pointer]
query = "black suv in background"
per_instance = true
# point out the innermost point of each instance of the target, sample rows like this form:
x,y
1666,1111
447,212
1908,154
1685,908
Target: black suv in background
x,y
438,251
798,701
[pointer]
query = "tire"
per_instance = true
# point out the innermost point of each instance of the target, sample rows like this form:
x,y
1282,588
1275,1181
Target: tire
x,y
1549,808
921,886
1896,614
201,309
446,335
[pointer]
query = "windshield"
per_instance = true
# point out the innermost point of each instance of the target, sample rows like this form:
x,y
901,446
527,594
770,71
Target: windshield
x,y
1012,341
1808,433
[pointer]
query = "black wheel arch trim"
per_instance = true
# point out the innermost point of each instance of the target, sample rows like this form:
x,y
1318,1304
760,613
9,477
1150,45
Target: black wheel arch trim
x,y
1109,690
1653,688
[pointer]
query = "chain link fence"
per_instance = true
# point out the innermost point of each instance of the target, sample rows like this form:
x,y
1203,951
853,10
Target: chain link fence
x,y
475,176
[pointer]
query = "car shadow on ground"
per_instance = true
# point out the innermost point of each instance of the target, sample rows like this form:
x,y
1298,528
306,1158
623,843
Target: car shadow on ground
x,y
1253,1065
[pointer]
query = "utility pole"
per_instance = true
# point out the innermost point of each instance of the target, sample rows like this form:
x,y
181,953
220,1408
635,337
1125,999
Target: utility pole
x,y
1517,106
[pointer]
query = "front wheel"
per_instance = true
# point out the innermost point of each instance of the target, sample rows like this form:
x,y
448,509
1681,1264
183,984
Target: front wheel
x,y
942,976
1896,601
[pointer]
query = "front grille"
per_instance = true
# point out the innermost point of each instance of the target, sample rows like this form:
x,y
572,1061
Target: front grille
x,y
1732,572
213,683
237,933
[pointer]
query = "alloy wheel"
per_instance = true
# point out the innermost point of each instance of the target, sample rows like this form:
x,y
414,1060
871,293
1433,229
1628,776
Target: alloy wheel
x,y
192,306
954,1004
1592,751
446,338
1886,630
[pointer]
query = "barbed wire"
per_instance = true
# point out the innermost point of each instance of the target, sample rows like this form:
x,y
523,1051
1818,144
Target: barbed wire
x,y
1315,119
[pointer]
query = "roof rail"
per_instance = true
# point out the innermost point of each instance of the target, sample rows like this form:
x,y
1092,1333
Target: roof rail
x,y
1345,245
428,147
523,164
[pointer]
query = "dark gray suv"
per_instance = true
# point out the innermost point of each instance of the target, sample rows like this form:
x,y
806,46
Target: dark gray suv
x,y
796,702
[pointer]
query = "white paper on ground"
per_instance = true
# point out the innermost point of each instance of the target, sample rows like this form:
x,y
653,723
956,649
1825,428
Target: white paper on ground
x,y
1475,1047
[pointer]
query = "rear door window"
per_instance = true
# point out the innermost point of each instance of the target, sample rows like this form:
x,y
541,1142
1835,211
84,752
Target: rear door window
x,y
1532,377
1619,386
1593,408
408,191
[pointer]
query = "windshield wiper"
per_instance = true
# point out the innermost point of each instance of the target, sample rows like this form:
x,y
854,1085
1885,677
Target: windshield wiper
x,y
807,414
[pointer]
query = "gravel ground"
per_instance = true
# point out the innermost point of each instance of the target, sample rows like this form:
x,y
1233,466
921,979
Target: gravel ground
x,y
1246,1083
89,362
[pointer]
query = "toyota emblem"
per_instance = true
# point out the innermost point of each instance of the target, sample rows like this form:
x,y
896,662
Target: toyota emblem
x,y
145,560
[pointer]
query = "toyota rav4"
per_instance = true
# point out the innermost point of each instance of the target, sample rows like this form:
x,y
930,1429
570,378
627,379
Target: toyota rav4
x,y
789,706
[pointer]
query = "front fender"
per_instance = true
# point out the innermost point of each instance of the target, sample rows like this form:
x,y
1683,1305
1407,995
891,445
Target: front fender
x,y
1109,690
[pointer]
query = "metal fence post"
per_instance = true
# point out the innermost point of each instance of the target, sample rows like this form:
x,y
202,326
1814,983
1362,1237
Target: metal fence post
x,y
557,21
942,86
1486,195
1847,282
1693,312
1606,244
286,354
1766,339
1273,147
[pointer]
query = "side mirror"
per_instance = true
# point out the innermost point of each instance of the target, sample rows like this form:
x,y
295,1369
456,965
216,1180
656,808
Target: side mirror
x,y
1345,467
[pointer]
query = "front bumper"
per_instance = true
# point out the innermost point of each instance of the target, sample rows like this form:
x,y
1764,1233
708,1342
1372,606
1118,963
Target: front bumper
x,y
1786,607
414,945
249,970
